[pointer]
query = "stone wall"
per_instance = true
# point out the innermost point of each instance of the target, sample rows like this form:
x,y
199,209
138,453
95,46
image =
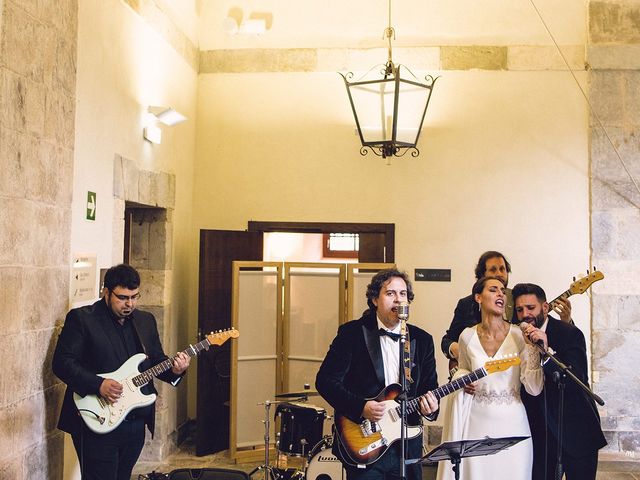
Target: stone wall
x,y
37,113
614,56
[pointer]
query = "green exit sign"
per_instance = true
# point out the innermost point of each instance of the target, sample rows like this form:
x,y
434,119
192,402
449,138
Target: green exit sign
x,y
91,206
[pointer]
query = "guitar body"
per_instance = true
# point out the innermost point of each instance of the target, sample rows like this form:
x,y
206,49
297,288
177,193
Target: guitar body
x,y
363,443
103,417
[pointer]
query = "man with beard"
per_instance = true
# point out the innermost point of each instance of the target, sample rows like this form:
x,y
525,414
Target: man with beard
x,y
581,433
99,338
466,313
364,358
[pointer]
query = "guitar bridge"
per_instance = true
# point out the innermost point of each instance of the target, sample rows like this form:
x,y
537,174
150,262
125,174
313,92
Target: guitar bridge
x,y
368,428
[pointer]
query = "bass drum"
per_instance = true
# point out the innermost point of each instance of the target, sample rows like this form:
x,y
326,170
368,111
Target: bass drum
x,y
324,465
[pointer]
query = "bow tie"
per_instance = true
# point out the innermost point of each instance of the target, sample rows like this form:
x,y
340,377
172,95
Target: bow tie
x,y
394,336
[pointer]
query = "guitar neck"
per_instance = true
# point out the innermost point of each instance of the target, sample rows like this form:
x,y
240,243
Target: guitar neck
x,y
444,390
564,295
148,375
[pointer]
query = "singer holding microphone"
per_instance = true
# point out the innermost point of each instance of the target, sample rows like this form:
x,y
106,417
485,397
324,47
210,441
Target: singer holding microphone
x,y
581,432
493,407
365,357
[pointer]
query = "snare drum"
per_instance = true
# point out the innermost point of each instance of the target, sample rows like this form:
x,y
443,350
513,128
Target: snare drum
x,y
324,465
301,427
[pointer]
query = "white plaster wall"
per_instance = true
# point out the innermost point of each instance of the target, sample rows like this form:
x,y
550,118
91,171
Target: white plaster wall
x,y
123,67
360,23
503,165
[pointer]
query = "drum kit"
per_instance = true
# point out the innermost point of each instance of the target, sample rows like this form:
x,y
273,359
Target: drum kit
x,y
301,427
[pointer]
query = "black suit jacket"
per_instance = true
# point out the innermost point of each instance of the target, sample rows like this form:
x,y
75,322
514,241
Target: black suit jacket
x,y
582,434
353,370
90,344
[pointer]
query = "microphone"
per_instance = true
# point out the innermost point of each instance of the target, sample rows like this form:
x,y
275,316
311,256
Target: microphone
x,y
403,311
523,327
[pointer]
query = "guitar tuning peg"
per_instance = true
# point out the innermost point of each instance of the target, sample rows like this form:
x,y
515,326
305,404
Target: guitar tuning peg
x,y
574,279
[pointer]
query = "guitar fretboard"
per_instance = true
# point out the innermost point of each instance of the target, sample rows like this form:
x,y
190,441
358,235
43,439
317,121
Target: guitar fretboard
x,y
564,295
148,375
414,404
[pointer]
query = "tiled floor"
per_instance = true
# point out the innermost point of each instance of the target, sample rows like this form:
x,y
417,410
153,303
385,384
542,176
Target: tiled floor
x,y
608,469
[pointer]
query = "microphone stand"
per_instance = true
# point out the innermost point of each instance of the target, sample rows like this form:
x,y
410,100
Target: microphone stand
x,y
559,378
403,400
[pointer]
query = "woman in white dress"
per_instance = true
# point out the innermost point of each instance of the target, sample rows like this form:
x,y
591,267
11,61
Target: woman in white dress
x,y
492,405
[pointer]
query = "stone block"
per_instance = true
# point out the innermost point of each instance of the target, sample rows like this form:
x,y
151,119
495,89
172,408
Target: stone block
x,y
17,154
605,164
154,284
145,183
23,42
7,433
65,65
434,435
53,397
629,312
541,57
29,422
159,243
63,15
603,233
118,177
23,103
614,22
475,57
15,231
130,181
258,60
11,469
621,276
614,57
606,96
607,195
629,441
12,299
45,460
59,117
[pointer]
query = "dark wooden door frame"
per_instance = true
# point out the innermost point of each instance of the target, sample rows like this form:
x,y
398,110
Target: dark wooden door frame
x,y
388,229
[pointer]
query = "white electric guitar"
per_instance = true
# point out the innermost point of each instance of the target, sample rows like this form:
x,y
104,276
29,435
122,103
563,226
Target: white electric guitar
x,y
101,416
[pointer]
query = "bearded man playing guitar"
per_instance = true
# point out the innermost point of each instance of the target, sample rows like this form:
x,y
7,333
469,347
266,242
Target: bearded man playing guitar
x,y
100,338
363,359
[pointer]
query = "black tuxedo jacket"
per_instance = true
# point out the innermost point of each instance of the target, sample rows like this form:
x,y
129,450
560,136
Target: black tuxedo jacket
x,y
582,434
353,370
90,344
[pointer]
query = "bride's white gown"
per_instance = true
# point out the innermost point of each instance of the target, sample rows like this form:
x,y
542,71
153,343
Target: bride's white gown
x,y
495,410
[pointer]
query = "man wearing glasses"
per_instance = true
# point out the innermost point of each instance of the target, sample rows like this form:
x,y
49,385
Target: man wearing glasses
x,y
99,338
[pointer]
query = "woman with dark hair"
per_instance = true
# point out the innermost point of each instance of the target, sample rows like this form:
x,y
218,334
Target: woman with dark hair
x,y
492,407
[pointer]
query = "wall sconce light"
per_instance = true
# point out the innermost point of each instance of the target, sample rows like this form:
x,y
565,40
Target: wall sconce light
x,y
250,26
152,133
167,115
389,111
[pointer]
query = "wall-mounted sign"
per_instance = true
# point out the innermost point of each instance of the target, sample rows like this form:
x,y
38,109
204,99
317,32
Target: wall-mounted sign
x,y
83,279
91,206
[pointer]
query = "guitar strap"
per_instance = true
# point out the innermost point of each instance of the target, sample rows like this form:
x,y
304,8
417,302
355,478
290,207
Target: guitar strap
x,y
406,358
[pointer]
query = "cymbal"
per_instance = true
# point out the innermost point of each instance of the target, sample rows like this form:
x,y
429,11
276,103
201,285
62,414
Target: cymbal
x,y
304,393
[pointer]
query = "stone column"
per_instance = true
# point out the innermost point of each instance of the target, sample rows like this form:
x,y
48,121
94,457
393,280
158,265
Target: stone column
x,y
614,56
37,113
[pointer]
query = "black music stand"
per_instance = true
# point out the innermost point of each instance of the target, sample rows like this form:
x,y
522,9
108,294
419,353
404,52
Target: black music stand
x,y
456,451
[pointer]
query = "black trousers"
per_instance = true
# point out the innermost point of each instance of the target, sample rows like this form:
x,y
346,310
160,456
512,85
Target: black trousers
x,y
386,467
575,468
110,456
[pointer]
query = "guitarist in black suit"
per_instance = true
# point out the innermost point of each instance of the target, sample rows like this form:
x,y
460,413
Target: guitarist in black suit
x,y
364,358
98,339
582,436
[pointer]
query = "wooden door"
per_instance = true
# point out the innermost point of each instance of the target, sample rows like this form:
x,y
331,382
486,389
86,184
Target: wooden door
x,y
218,249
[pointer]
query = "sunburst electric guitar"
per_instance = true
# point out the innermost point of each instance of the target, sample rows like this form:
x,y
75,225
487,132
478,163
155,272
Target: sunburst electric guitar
x,y
101,416
577,287
363,443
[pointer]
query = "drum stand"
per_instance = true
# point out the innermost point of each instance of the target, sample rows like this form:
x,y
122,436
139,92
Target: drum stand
x,y
268,469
